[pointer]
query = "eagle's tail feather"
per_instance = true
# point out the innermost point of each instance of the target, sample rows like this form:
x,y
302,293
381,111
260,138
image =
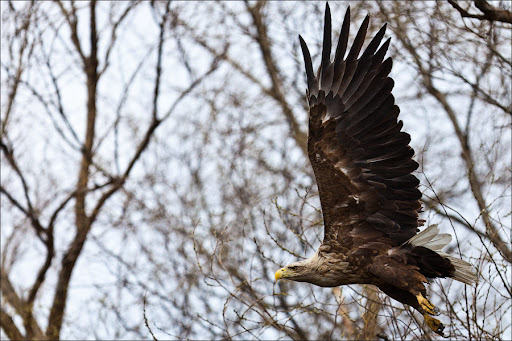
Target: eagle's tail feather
x,y
463,270
435,241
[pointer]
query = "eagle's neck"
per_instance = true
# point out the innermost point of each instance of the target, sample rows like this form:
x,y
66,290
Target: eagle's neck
x,y
326,270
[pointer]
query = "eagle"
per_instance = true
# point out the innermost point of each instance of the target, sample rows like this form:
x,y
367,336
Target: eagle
x,y
363,167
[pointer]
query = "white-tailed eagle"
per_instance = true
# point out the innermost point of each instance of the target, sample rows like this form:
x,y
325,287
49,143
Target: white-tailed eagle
x,y
363,167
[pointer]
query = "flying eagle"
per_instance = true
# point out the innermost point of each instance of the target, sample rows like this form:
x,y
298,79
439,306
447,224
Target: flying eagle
x,y
363,163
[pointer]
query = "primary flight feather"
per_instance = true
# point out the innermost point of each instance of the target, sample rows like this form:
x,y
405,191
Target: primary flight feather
x,y
363,167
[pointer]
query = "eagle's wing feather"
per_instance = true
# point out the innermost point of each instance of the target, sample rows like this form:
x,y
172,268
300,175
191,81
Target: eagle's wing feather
x,y
360,156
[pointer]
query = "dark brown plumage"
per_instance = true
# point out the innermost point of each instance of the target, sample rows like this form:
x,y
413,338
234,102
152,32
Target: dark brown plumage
x,y
363,166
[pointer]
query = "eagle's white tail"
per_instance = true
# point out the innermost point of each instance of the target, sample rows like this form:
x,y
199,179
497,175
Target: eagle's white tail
x,y
435,241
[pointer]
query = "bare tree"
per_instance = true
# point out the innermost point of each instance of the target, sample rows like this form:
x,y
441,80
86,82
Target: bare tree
x,y
95,184
154,168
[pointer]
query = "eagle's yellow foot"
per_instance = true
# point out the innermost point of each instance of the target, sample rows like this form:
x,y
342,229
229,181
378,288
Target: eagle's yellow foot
x,y
434,324
426,305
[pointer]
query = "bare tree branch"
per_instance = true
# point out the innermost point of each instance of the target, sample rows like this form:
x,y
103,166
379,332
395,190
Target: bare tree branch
x,y
277,86
113,34
13,89
29,211
23,309
9,327
81,220
72,21
490,12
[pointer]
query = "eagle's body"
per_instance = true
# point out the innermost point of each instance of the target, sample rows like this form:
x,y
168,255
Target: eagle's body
x,y
363,164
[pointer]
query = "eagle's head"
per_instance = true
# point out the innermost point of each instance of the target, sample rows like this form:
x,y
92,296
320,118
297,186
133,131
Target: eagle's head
x,y
317,270
300,271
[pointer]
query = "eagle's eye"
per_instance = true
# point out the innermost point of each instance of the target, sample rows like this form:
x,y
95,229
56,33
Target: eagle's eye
x,y
293,267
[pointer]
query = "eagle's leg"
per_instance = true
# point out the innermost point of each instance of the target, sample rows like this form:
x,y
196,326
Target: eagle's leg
x,y
406,297
426,305
430,309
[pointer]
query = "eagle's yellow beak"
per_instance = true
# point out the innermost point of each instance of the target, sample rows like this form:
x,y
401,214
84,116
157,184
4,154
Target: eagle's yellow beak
x,y
281,273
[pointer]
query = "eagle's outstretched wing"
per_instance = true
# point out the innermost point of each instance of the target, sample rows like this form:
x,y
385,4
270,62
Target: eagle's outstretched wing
x,y
360,156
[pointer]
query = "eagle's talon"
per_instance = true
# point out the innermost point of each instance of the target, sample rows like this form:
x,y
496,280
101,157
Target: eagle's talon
x,y
427,306
434,324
